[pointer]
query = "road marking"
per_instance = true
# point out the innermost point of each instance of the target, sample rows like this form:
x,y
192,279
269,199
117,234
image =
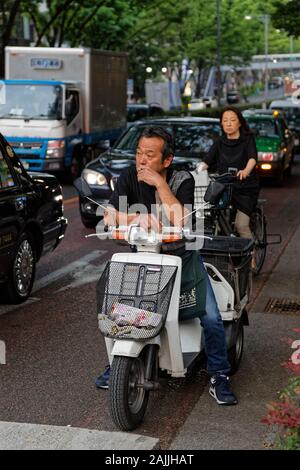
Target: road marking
x,y
78,265
81,269
90,273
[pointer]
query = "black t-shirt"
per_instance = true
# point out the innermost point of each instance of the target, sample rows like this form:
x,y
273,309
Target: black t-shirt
x,y
142,193
233,153
182,185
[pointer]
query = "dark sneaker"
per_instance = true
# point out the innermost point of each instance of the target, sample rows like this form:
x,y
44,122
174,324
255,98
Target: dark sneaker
x,y
102,381
221,391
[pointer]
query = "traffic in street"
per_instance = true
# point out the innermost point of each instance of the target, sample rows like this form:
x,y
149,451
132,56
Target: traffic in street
x,y
55,351
149,228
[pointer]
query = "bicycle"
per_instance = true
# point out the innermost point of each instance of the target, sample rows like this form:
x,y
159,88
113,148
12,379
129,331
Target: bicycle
x,y
219,215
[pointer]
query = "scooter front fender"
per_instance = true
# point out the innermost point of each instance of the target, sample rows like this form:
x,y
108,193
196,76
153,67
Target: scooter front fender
x,y
129,348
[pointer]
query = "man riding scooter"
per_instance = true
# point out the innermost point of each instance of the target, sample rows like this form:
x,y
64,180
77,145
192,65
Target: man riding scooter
x,y
153,182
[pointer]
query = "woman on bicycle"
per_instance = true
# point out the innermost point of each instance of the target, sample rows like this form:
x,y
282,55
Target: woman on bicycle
x,y
236,148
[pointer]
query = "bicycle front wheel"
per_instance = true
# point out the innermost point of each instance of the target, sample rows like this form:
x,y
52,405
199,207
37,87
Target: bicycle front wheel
x,y
258,228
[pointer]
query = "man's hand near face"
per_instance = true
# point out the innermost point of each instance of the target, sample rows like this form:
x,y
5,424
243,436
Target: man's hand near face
x,y
152,165
149,176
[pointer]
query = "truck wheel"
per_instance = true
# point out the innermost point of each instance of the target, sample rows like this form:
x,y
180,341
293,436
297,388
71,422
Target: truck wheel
x,y
236,351
77,164
128,400
22,272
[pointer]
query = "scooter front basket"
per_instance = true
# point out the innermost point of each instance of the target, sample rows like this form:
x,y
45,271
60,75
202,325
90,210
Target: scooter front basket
x,y
133,299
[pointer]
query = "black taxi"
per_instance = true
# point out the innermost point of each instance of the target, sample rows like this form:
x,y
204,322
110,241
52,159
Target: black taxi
x,y
31,223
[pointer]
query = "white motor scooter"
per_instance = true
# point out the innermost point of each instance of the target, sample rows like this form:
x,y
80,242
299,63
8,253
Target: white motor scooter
x,y
138,299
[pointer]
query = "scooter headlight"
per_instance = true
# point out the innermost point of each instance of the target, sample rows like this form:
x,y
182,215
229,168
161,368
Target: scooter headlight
x,y
139,235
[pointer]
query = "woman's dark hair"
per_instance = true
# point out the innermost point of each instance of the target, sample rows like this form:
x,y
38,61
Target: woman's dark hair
x,y
244,129
166,136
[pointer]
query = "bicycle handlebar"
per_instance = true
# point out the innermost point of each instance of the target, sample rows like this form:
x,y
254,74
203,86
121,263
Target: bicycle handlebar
x,y
229,177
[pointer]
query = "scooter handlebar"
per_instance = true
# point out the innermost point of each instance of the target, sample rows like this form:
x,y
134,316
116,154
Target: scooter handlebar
x,y
134,234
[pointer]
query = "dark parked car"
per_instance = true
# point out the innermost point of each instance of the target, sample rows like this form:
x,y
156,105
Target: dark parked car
x,y
274,141
31,223
233,97
193,138
138,111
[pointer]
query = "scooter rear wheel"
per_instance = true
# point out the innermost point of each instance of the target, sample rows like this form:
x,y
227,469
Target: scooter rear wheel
x,y
127,398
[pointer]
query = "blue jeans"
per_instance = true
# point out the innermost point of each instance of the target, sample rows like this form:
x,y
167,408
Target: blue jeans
x,y
214,335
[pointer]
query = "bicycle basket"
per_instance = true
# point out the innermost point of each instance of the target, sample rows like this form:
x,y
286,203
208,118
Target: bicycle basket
x,y
232,257
199,196
214,192
133,299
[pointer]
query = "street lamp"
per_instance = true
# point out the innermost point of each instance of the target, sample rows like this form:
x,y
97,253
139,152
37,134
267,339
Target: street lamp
x,y
218,44
265,19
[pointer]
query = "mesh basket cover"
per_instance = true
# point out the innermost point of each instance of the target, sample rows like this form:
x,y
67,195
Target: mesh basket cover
x,y
133,299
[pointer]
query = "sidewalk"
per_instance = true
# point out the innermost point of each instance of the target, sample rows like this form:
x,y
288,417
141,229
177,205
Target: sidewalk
x,y
23,436
210,426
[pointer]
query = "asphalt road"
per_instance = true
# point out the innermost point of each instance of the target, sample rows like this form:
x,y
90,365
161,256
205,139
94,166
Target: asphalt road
x,y
55,351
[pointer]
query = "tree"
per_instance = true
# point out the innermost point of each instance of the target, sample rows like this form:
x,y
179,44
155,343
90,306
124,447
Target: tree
x,y
286,16
154,33
9,12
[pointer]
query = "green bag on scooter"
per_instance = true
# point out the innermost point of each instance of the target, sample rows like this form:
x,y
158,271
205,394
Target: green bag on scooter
x,y
193,287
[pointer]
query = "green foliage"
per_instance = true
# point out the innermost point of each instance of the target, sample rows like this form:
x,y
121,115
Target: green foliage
x,y
286,16
285,413
159,33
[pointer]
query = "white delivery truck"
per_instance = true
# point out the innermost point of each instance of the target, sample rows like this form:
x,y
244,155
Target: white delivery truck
x,y
165,94
58,104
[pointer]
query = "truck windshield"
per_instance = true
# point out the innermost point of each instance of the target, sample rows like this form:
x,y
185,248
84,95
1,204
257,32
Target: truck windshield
x,y
34,101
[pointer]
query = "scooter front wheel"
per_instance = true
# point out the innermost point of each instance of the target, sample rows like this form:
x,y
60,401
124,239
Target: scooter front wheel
x,y
127,397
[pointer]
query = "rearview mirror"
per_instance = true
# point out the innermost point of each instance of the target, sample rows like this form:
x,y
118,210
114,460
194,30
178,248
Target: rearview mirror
x,y
82,187
68,108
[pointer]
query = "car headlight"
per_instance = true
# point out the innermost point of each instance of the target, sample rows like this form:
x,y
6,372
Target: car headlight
x,y
93,177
